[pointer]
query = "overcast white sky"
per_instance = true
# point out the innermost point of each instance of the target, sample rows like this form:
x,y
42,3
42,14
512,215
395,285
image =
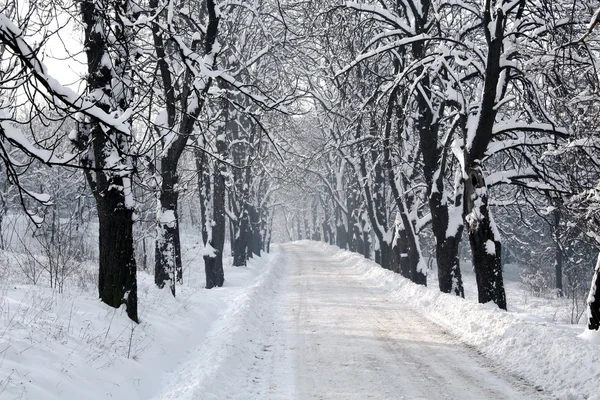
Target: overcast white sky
x,y
63,55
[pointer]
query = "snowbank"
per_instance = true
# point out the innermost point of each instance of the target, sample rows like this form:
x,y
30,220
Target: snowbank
x,y
72,346
555,358
225,362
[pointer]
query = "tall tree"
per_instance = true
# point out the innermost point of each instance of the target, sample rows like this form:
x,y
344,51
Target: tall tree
x,y
184,96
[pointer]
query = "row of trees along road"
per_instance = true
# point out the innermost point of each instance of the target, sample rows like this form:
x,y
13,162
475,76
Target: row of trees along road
x,y
433,114
397,126
162,81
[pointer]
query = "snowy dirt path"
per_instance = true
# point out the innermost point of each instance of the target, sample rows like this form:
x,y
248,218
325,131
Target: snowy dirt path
x,y
340,339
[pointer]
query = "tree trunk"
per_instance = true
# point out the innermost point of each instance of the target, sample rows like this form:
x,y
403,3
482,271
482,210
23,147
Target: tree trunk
x,y
213,263
367,242
448,262
401,250
204,192
388,258
447,244
167,257
325,232
360,244
485,244
558,251
593,300
117,277
255,242
240,241
168,249
117,280
341,237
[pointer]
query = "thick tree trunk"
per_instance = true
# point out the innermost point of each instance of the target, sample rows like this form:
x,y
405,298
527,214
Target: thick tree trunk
x,y
298,229
326,232
213,264
417,275
360,244
117,280
255,242
401,249
448,262
388,258
447,245
307,234
167,258
485,242
593,300
485,245
367,242
409,239
341,237
240,241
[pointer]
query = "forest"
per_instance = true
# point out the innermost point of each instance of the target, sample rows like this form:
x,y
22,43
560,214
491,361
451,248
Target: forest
x,y
418,133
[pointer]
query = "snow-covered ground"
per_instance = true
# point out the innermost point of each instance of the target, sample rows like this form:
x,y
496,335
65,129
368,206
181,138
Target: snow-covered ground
x,y
526,341
241,341
72,346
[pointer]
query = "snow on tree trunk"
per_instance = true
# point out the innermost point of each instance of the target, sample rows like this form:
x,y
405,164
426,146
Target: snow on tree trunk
x,y
168,264
484,240
447,229
213,263
107,164
239,246
593,300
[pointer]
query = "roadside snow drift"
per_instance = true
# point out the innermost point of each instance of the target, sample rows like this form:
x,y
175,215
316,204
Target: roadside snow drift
x,y
71,346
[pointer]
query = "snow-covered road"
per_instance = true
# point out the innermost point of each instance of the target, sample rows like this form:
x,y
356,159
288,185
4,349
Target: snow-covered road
x,y
339,339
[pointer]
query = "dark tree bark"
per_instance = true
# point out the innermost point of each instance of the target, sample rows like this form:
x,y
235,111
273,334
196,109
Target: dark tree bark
x,y
213,263
594,300
168,267
447,241
255,242
375,204
408,234
485,246
167,252
367,242
242,132
558,251
316,235
117,281
401,250
354,235
240,241
204,191
341,236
